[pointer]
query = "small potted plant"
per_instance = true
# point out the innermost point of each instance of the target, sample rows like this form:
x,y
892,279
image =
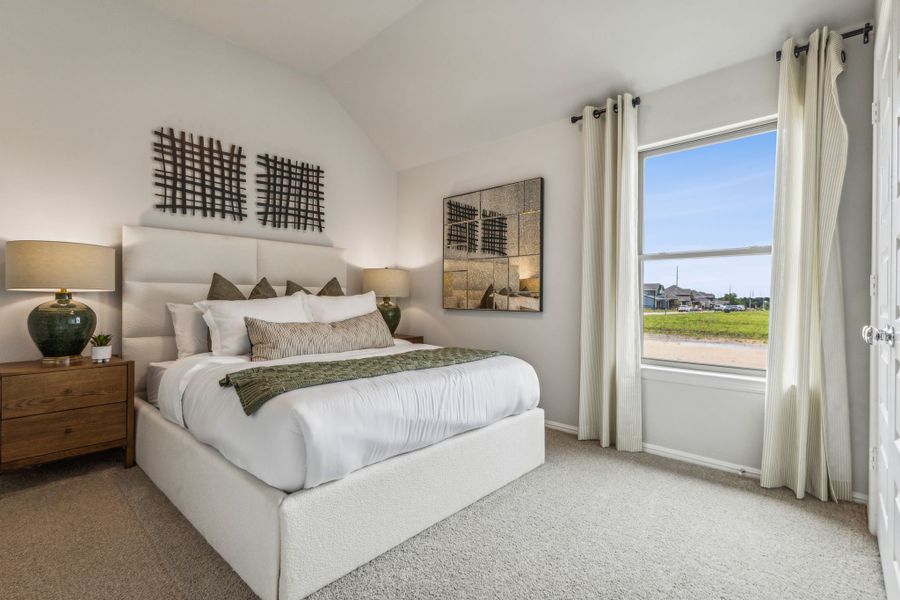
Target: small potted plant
x,y
101,351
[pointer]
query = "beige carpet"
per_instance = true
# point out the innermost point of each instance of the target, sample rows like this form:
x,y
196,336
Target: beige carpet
x,y
590,523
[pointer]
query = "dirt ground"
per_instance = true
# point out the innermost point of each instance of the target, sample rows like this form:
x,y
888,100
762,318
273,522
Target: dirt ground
x,y
748,355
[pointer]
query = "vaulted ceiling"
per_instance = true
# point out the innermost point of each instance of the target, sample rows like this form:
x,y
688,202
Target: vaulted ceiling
x,y
429,78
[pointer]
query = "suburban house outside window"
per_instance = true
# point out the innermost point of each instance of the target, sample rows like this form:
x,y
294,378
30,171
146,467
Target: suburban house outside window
x,y
706,245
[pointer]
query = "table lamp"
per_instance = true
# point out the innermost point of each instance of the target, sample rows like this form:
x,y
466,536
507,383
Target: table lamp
x,y
387,283
62,327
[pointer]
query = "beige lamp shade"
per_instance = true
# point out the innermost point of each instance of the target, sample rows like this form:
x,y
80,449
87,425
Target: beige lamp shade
x,y
40,266
393,283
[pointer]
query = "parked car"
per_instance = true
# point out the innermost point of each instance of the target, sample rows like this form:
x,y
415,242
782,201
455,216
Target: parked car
x,y
685,308
738,307
719,307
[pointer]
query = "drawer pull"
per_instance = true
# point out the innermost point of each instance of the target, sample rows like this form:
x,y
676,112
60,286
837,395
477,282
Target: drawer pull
x,y
68,430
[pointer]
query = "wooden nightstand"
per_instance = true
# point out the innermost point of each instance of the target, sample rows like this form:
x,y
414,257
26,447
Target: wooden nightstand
x,y
50,412
412,339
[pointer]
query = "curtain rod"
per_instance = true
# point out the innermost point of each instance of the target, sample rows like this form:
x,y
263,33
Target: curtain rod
x,y
599,111
863,31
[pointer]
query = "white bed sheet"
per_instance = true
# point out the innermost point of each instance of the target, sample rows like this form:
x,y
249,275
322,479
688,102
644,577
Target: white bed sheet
x,y
309,436
155,372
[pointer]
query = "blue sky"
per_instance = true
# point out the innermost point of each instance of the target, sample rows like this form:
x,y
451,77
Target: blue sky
x,y
711,197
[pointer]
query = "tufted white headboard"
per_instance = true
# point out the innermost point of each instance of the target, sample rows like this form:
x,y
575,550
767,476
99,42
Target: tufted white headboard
x,y
166,265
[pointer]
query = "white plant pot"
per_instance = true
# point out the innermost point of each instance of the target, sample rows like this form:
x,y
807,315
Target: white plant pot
x,y
101,354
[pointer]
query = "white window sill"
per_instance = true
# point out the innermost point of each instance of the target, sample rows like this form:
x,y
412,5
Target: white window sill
x,y
706,379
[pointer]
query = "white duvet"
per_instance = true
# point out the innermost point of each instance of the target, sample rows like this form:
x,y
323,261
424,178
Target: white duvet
x,y
306,437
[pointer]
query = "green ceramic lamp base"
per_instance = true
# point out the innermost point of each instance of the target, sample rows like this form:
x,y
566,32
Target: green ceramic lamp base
x,y
390,312
61,328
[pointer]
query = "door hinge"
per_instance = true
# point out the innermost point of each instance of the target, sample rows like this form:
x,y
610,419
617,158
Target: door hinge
x,y
874,113
873,458
873,285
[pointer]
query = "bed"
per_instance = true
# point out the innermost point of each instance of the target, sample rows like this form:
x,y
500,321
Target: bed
x,y
286,543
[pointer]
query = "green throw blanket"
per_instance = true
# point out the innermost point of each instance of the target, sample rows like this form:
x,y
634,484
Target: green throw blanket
x,y
258,385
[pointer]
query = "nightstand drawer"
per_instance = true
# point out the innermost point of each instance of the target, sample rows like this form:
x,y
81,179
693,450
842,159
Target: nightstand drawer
x,y
39,393
45,434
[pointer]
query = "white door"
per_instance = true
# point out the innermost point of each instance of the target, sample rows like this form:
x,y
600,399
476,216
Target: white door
x,y
886,310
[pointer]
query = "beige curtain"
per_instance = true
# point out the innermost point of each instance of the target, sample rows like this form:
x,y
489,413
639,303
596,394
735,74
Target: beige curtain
x,y
807,425
610,390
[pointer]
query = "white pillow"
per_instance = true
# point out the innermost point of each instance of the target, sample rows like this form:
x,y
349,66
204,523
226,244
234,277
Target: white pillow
x,y
225,319
190,330
328,309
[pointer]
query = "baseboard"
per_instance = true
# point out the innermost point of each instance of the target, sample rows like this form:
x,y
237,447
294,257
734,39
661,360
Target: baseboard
x,y
704,461
695,459
561,427
722,465
670,453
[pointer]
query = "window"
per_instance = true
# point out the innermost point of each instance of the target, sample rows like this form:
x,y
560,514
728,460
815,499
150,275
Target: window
x,y
706,245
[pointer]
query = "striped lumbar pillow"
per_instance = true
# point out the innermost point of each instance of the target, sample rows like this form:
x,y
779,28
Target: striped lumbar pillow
x,y
269,341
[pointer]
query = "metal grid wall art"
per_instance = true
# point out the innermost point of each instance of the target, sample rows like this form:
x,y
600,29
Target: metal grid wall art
x,y
199,177
493,233
291,194
462,230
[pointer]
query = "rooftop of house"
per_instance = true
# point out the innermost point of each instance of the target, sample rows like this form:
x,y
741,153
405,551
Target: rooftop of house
x,y
674,291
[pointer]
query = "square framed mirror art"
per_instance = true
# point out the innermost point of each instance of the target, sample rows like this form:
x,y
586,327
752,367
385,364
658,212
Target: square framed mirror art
x,y
493,248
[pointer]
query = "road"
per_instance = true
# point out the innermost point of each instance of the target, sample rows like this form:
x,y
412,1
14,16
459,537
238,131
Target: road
x,y
750,355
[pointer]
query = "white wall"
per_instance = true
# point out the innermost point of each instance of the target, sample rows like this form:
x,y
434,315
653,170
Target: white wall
x,y
84,86
720,421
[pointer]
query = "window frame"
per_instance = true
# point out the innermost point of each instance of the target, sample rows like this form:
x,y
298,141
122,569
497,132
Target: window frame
x,y
707,138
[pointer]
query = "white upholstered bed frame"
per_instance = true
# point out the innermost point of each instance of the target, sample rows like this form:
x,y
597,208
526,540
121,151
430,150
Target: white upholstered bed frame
x,y
289,545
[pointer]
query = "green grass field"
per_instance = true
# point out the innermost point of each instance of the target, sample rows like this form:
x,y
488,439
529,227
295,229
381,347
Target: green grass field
x,y
747,326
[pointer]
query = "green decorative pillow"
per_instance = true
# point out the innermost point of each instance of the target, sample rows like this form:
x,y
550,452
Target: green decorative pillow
x,y
222,289
262,290
332,288
293,288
